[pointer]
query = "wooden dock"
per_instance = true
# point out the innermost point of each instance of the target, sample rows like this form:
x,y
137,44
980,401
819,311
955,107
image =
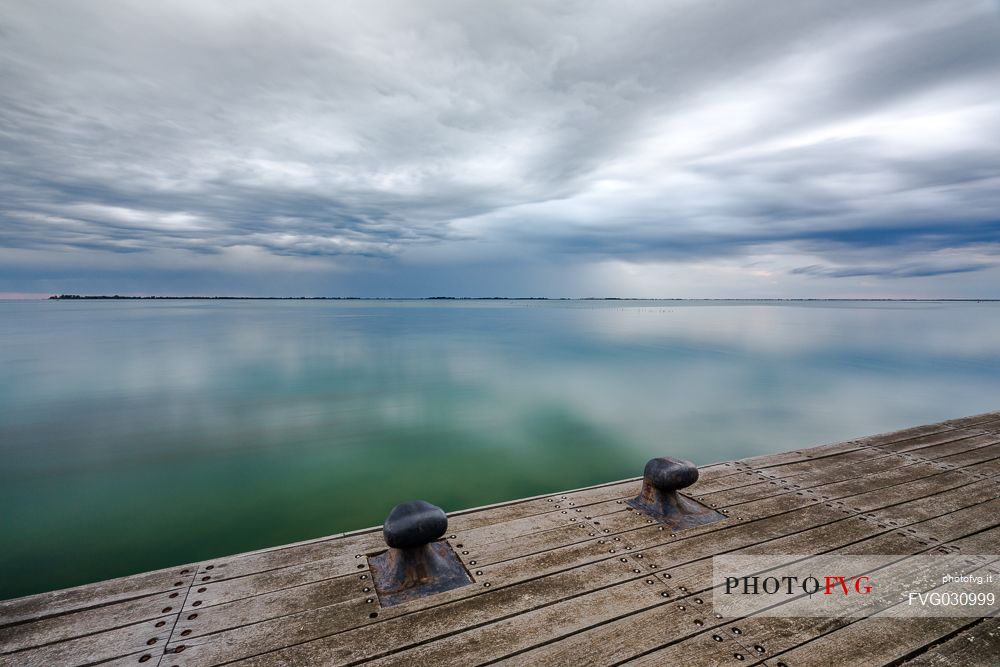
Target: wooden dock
x,y
573,578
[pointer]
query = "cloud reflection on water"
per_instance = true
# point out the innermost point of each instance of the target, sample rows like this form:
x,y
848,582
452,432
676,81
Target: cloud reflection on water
x,y
228,426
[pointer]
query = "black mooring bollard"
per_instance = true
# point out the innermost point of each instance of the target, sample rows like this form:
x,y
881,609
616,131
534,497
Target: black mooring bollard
x,y
413,524
661,480
416,563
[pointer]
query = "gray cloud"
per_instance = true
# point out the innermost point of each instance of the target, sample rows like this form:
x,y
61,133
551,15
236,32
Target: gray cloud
x,y
381,148
902,271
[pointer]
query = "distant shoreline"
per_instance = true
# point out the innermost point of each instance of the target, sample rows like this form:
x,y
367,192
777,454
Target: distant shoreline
x,y
77,297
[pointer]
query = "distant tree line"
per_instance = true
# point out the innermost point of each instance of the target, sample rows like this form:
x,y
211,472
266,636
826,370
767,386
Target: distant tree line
x,y
60,297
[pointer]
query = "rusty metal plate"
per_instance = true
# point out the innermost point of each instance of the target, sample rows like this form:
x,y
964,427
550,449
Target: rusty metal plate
x,y
407,574
680,513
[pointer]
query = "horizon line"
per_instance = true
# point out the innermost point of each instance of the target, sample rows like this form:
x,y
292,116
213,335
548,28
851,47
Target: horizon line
x,y
97,297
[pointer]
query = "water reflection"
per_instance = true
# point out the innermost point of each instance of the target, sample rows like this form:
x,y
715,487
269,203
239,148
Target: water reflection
x,y
140,435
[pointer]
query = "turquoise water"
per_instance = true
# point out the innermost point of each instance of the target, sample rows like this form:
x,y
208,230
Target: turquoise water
x,y
137,435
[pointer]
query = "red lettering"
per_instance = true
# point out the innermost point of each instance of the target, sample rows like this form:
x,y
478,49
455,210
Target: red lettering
x,y
831,581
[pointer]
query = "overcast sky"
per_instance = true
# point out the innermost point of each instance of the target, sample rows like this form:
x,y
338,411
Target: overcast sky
x,y
684,148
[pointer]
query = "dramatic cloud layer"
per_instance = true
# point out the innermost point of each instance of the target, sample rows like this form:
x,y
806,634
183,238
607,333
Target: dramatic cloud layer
x,y
684,148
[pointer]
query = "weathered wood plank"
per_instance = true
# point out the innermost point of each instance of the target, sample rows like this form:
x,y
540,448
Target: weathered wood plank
x,y
90,621
973,419
840,482
706,648
820,451
90,596
338,574
990,468
783,636
557,518
922,443
689,644
873,641
346,548
90,649
972,456
978,645
925,486
737,500
389,632
232,587
648,554
991,425
759,636
900,494
942,449
612,642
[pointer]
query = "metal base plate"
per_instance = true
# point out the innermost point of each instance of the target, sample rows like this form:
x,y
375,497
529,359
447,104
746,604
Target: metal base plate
x,y
394,582
693,513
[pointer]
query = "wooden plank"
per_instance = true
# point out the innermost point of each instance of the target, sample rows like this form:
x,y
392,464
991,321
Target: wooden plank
x,y
787,638
579,498
900,494
941,449
930,448
232,587
807,484
943,500
557,518
939,530
338,612
991,425
872,641
505,509
676,618
925,486
859,455
611,524
941,483
803,479
977,645
530,592
90,621
615,641
338,571
972,456
922,443
346,548
989,468
90,596
820,451
93,648
518,546
499,574
341,551
363,642
705,648
767,636
338,576
827,456
841,481
861,483
648,554
690,645
972,420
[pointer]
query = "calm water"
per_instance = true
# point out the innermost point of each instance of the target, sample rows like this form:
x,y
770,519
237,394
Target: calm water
x,y
138,435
